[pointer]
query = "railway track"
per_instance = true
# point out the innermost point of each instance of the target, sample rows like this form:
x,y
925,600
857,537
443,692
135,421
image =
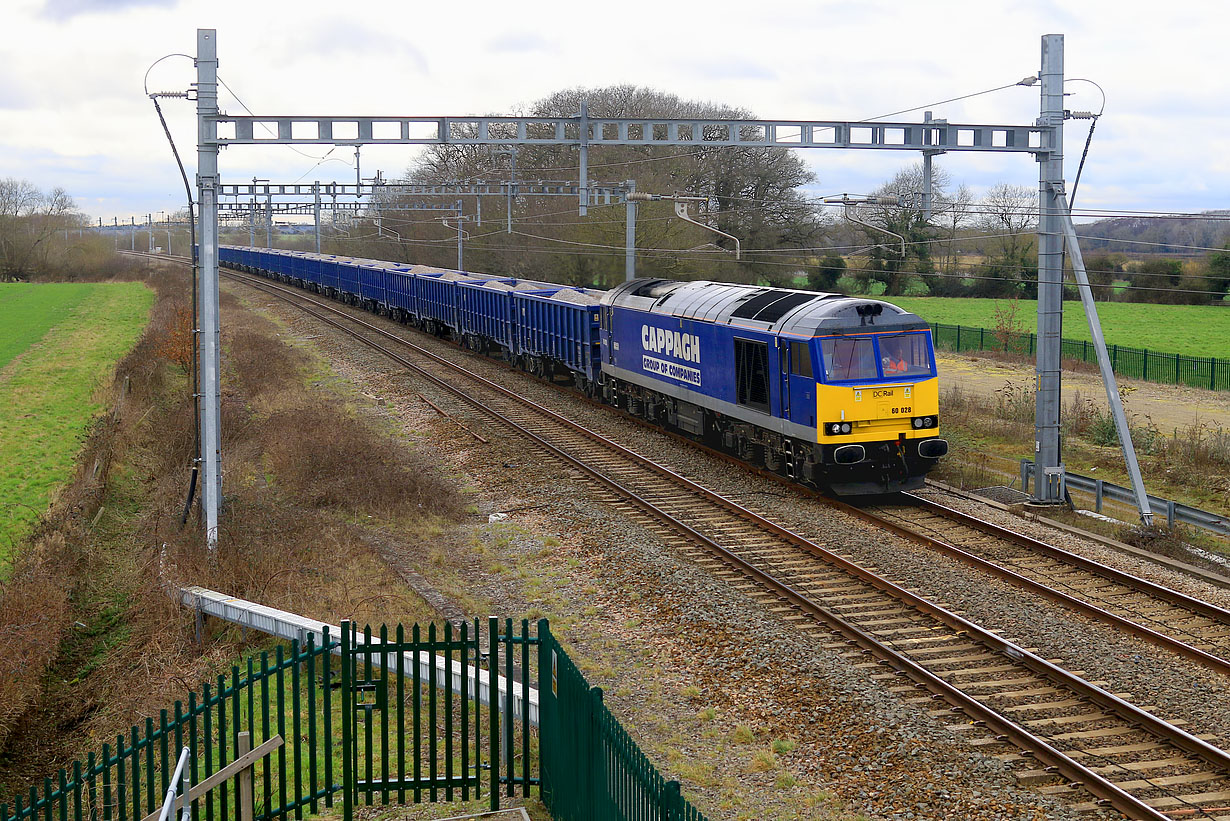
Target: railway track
x,y
1081,736
1195,629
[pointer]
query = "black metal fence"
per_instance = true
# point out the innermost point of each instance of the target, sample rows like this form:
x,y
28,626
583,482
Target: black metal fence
x,y
1138,363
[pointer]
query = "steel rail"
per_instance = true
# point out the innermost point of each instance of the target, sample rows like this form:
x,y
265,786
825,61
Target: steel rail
x,y
1154,589
1137,629
1095,783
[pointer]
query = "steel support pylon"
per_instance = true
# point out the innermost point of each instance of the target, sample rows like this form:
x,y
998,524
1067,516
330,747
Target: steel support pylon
x,y
1048,467
629,232
209,334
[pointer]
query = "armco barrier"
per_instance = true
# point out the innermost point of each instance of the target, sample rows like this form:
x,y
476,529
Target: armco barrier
x,y
1138,363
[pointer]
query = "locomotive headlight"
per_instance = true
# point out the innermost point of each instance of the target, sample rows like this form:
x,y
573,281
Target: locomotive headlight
x,y
835,427
918,422
845,427
929,422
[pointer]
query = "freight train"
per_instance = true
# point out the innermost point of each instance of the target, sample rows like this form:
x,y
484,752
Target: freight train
x,y
835,392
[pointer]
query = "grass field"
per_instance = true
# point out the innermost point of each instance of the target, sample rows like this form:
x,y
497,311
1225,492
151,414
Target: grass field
x,y
27,313
1193,330
58,345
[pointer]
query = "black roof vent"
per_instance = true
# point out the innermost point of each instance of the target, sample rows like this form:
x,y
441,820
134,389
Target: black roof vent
x,y
771,305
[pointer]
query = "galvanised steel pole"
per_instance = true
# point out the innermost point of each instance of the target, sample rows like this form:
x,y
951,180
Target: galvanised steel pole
x,y
629,232
316,212
1104,365
1048,465
210,333
460,241
583,188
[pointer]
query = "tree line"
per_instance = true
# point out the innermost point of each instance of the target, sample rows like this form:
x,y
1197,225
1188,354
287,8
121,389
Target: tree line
x,y
43,234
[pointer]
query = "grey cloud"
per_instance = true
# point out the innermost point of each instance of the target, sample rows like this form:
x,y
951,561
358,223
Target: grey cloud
x,y
13,93
520,42
67,9
345,37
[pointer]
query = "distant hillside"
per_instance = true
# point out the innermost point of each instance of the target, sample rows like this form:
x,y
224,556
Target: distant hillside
x,y
1212,230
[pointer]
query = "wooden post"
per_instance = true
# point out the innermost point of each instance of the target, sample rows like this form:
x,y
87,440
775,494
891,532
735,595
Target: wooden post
x,y
246,807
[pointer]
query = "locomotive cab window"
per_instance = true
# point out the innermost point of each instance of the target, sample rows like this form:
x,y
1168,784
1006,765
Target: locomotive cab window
x,y
800,359
904,355
752,374
847,359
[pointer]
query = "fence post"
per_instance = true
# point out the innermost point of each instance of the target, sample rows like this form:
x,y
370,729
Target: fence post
x,y
347,731
593,732
548,693
982,339
1025,476
958,339
1097,495
1176,369
1212,373
493,708
672,800
1170,514
246,807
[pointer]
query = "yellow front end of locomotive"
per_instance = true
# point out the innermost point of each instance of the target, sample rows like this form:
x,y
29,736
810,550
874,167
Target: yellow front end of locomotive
x,y
877,413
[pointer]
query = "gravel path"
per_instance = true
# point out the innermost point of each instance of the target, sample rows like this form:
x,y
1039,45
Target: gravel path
x,y
753,714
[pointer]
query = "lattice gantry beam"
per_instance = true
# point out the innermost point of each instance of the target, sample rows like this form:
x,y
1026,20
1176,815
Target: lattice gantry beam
x,y
480,188
308,207
275,130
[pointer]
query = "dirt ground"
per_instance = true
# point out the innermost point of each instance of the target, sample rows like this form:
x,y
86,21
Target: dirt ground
x,y
1169,406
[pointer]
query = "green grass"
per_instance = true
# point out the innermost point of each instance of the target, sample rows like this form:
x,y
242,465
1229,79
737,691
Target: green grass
x,y
1193,330
67,340
27,312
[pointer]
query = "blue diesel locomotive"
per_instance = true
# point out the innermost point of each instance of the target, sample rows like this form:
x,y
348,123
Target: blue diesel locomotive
x,y
835,392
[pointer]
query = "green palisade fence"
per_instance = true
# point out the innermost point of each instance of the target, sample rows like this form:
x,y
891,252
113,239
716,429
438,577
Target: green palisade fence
x,y
1139,363
284,695
382,716
591,768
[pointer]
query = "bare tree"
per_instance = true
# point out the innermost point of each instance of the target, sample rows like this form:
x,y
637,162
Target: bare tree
x,y
29,219
1009,215
952,216
894,262
752,193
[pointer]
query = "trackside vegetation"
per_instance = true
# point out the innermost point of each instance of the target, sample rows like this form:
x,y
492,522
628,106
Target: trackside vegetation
x,y
59,345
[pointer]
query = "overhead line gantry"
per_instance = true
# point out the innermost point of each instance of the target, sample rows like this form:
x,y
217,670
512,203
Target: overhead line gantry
x,y
1043,140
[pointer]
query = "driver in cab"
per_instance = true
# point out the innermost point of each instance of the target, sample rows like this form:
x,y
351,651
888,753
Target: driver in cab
x,y
892,360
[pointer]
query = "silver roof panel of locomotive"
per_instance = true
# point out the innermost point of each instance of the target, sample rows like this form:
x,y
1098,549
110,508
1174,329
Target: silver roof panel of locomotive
x,y
799,313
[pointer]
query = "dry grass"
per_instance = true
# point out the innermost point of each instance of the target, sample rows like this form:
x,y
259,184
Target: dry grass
x,y
303,472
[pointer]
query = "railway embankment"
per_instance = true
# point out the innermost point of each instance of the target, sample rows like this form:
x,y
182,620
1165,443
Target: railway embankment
x,y
316,490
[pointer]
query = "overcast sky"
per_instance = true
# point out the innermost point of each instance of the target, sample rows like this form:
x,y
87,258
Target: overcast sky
x,y
73,113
